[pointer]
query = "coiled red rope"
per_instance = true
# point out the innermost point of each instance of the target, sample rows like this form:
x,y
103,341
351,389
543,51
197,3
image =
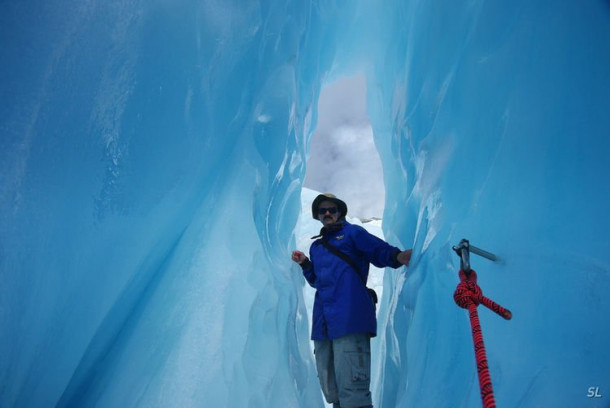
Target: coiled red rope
x,y
468,295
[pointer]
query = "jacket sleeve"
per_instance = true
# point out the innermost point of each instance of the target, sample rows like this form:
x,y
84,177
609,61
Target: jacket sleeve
x,y
377,251
308,272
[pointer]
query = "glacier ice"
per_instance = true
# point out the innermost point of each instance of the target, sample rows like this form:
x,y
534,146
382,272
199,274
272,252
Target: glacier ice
x,y
151,162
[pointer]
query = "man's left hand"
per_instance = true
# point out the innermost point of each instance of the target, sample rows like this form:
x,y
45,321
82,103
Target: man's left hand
x,y
404,257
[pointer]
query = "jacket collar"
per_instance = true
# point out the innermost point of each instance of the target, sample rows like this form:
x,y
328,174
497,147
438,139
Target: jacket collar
x,y
337,226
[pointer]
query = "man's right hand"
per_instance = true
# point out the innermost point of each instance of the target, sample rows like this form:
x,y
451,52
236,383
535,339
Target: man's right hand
x,y
298,256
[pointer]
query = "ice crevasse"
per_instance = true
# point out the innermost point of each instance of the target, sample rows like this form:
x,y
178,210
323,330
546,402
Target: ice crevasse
x,y
152,156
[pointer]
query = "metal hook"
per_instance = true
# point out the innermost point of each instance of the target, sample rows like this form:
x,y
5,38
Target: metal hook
x,y
463,250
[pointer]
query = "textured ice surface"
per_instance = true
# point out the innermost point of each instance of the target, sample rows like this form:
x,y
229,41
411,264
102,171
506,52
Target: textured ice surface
x,y
151,162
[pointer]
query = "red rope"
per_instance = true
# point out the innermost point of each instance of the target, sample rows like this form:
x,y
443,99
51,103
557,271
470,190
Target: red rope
x,y
468,295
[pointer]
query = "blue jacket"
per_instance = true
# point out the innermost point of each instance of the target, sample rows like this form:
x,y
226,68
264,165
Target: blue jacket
x,y
342,304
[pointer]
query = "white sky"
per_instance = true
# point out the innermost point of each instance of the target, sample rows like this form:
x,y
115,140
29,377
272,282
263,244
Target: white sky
x,y
343,159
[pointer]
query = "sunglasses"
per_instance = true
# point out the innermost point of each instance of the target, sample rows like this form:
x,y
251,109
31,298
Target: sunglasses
x,y
332,210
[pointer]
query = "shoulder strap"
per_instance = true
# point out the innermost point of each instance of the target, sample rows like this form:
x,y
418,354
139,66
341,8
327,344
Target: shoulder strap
x,y
343,256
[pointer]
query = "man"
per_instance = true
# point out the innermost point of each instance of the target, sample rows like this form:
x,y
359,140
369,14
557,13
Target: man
x,y
344,312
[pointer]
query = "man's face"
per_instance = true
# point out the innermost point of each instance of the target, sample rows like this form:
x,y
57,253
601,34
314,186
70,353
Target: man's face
x,y
328,213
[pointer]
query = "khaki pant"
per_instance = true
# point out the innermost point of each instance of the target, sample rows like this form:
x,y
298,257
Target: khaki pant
x,y
344,370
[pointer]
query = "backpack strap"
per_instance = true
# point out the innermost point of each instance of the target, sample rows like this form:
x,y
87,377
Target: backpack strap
x,y
343,256
351,263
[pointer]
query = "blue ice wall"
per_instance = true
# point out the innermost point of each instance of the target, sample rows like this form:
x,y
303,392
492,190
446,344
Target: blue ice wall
x,y
151,163
494,127
151,157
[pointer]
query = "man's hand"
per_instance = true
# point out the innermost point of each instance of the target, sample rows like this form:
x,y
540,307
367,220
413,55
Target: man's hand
x,y
298,256
404,257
